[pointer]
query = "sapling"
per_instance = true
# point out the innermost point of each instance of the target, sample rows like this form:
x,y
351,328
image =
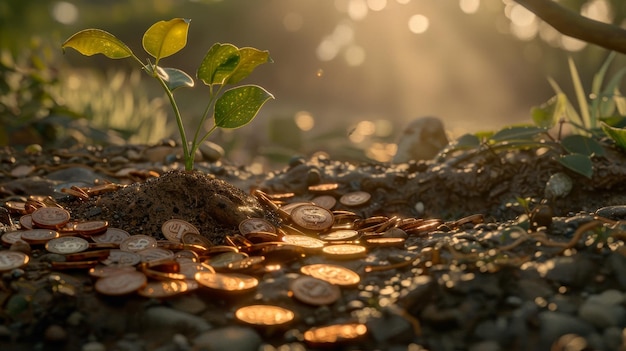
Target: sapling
x,y
223,64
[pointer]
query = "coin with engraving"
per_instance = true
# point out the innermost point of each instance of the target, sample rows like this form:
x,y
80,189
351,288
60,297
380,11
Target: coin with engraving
x,y
289,207
314,291
326,201
247,265
122,258
305,242
16,207
264,315
89,228
38,236
67,245
195,239
227,282
355,198
10,238
345,251
111,235
12,259
138,242
254,225
166,288
50,217
155,253
26,221
340,235
222,260
189,269
334,335
312,217
334,274
121,284
174,229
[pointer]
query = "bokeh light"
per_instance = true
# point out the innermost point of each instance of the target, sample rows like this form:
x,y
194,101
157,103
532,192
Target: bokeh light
x,y
65,12
304,120
418,24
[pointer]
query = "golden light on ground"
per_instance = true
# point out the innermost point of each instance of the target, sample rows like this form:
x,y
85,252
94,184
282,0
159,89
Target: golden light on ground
x,y
304,120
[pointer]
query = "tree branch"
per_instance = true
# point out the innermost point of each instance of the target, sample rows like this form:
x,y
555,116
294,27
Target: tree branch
x,y
574,25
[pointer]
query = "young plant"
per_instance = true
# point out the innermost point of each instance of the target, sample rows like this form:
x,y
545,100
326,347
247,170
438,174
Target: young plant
x,y
223,64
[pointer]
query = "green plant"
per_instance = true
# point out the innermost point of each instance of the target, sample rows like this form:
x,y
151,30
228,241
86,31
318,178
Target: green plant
x,y
223,64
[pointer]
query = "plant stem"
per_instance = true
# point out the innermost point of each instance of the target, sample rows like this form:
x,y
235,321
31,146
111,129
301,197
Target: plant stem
x,y
212,98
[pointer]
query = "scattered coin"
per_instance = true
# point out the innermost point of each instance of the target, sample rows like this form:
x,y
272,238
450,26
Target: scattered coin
x,y
155,253
89,228
166,288
323,187
345,251
10,238
264,315
26,221
195,239
111,235
138,242
121,284
101,271
303,241
385,242
67,245
174,229
12,259
314,291
355,198
50,217
38,236
312,217
221,261
330,336
326,201
340,235
189,269
253,225
334,274
122,258
227,282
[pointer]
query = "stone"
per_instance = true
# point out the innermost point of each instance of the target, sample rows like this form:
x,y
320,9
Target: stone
x,y
228,338
173,320
211,152
602,315
556,324
422,139
569,270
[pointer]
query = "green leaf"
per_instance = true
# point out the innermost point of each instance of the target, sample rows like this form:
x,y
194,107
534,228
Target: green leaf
x,y
578,163
617,134
579,144
96,41
518,133
218,64
238,106
467,141
249,59
166,38
581,96
175,78
548,114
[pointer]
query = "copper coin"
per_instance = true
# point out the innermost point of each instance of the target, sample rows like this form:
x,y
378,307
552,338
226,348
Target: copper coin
x,y
111,235
345,251
121,284
337,275
186,255
16,207
195,239
261,237
222,260
67,245
340,235
248,264
174,229
189,269
314,291
303,241
138,242
355,198
122,258
323,187
227,282
312,217
26,221
101,271
167,288
264,315
50,217
12,259
385,242
90,228
334,334
289,207
326,201
253,225
38,236
155,253
10,238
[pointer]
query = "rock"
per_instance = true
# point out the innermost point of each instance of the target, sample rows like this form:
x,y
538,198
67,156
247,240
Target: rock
x,y
211,152
558,186
556,324
422,139
573,271
173,320
604,310
390,327
93,346
228,338
55,333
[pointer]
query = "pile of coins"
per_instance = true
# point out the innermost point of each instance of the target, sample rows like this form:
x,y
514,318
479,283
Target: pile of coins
x,y
121,263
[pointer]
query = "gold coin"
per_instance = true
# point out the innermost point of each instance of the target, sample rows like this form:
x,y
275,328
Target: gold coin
x,y
67,245
155,253
174,229
121,284
111,235
101,271
303,241
227,282
334,274
195,239
50,217
334,334
312,217
323,187
89,228
340,235
12,259
138,242
10,238
345,251
355,198
221,261
166,288
122,258
314,291
38,236
26,221
264,315
254,225
385,242
326,201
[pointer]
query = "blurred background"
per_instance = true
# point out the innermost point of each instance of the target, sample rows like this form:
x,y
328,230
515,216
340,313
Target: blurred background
x,y
347,76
